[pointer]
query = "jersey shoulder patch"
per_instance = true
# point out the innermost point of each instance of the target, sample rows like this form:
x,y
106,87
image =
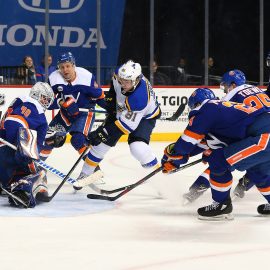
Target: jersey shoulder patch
x,y
56,78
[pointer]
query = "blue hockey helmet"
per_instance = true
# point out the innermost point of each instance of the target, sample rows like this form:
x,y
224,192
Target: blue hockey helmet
x,y
65,58
199,95
233,76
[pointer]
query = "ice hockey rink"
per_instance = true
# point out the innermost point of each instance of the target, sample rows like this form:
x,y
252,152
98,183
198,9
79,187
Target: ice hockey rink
x,y
146,229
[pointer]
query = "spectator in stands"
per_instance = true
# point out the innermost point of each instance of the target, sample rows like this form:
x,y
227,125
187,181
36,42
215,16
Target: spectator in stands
x,y
40,70
27,73
159,77
213,78
180,72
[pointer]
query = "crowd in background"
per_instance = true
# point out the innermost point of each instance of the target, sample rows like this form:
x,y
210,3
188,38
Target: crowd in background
x,y
28,73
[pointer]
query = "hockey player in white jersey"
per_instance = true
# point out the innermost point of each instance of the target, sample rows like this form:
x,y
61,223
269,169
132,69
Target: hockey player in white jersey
x,y
133,110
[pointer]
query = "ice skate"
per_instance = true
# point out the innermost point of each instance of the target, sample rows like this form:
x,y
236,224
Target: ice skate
x,y
216,211
194,193
264,209
239,191
85,179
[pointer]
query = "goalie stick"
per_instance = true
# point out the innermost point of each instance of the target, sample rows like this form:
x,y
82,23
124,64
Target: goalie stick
x,y
128,188
52,169
49,198
14,197
44,165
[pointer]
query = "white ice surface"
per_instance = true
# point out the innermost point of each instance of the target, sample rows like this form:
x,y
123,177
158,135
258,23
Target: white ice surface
x,y
139,231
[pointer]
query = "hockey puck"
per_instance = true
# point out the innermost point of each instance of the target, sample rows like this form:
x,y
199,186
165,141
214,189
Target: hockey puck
x,y
77,188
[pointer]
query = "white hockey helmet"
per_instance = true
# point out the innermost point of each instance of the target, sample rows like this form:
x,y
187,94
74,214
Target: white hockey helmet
x,y
43,93
130,71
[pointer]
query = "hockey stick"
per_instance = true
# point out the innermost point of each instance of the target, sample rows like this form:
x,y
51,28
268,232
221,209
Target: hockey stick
x,y
128,188
43,165
49,198
98,111
178,112
52,169
93,110
14,197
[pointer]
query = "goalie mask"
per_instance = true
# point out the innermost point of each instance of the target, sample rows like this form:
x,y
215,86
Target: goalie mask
x,y
43,93
130,71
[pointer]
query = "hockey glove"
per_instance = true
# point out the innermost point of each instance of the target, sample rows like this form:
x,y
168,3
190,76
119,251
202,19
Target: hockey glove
x,y
70,109
100,135
171,160
55,138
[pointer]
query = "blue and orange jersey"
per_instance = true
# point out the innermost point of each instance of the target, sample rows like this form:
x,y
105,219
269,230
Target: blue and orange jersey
x,y
28,113
250,95
82,89
225,121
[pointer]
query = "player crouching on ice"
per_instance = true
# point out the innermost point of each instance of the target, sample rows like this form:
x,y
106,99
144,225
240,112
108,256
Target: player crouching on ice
x,y
243,133
23,128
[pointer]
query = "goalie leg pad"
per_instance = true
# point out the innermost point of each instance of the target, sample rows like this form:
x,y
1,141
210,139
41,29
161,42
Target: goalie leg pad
x,y
26,189
27,147
27,143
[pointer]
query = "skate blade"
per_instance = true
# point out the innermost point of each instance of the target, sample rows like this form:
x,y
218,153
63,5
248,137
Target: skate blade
x,y
236,197
100,182
186,202
88,180
217,218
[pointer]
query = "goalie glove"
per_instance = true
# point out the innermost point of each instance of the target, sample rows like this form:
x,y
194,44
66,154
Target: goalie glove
x,y
55,136
171,160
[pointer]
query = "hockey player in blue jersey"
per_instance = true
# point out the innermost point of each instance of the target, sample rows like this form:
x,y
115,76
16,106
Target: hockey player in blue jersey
x,y
18,172
242,134
234,86
133,110
76,94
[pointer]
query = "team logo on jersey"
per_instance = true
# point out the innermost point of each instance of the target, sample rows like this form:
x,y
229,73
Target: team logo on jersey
x,y
190,122
213,142
56,6
2,99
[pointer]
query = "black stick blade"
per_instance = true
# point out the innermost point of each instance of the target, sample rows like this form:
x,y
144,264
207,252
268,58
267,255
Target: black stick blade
x,y
100,197
42,198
